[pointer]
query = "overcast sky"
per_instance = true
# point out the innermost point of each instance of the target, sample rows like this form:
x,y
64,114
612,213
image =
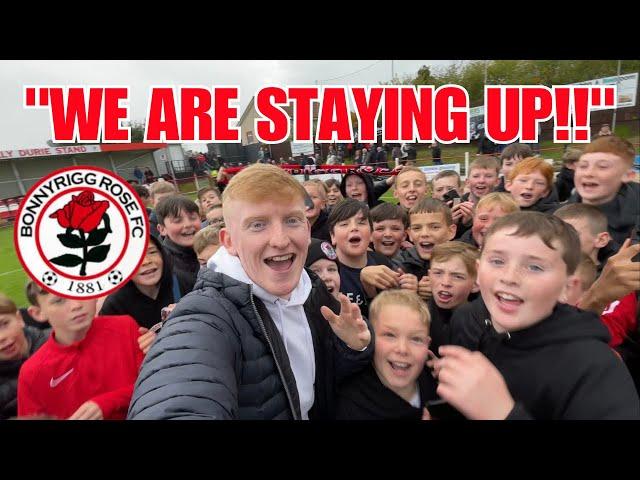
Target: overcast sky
x,y
21,128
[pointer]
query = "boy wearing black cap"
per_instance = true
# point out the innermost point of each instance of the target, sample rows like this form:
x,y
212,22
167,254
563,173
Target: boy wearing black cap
x,y
323,261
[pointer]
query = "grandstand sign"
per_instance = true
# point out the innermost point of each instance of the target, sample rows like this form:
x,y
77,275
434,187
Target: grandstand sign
x,y
48,151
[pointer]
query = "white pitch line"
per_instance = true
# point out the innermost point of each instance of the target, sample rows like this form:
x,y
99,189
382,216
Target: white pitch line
x,y
9,273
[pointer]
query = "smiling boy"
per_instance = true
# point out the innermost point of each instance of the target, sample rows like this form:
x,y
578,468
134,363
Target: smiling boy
x,y
396,385
603,177
178,222
537,358
410,187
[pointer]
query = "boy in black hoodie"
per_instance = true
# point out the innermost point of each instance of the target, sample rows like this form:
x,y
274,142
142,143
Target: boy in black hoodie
x,y
360,186
603,178
430,223
178,222
453,281
537,358
396,385
152,288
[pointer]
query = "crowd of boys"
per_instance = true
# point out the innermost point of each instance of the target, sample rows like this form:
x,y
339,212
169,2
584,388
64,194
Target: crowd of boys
x,y
513,295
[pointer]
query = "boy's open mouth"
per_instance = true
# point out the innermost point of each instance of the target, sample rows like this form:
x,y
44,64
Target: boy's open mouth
x,y
508,302
589,185
280,263
355,240
444,296
480,188
411,198
188,234
401,368
426,246
527,196
388,243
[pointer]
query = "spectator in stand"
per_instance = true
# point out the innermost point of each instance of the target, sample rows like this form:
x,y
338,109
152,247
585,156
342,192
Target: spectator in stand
x,y
334,195
381,158
137,173
396,155
436,153
357,159
485,146
149,178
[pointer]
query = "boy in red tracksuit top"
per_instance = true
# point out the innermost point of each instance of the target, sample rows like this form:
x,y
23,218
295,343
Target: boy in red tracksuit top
x,y
87,368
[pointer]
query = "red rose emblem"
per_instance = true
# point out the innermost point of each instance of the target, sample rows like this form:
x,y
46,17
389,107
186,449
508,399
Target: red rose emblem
x,y
82,212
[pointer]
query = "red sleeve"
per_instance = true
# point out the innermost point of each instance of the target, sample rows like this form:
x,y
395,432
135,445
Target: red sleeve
x,y
115,404
620,318
27,404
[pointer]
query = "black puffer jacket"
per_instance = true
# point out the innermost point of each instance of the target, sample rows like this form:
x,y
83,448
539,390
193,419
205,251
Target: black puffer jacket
x,y
374,191
9,373
622,212
558,369
220,356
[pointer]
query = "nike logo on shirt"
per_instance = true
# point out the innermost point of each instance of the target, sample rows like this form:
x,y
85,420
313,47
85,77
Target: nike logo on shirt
x,y
56,381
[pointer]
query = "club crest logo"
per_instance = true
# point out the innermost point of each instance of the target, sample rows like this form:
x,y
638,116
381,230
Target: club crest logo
x,y
81,232
328,250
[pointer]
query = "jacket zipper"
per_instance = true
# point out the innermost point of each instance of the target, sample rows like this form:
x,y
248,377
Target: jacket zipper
x,y
275,358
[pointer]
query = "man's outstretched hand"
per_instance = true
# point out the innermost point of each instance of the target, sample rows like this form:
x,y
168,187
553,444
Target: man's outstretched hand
x,y
349,326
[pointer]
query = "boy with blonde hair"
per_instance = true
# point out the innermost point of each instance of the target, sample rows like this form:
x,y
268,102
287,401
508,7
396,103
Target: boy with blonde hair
x,y
410,187
488,209
395,386
206,243
482,179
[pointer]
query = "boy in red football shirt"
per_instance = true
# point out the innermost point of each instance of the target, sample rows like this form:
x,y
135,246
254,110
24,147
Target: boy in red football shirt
x,y
86,369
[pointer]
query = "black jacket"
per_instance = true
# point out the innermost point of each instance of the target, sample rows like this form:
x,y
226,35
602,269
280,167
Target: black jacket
x,y
374,191
184,261
558,369
9,371
440,326
364,397
548,204
145,310
622,212
410,262
564,183
220,356
467,237
320,229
